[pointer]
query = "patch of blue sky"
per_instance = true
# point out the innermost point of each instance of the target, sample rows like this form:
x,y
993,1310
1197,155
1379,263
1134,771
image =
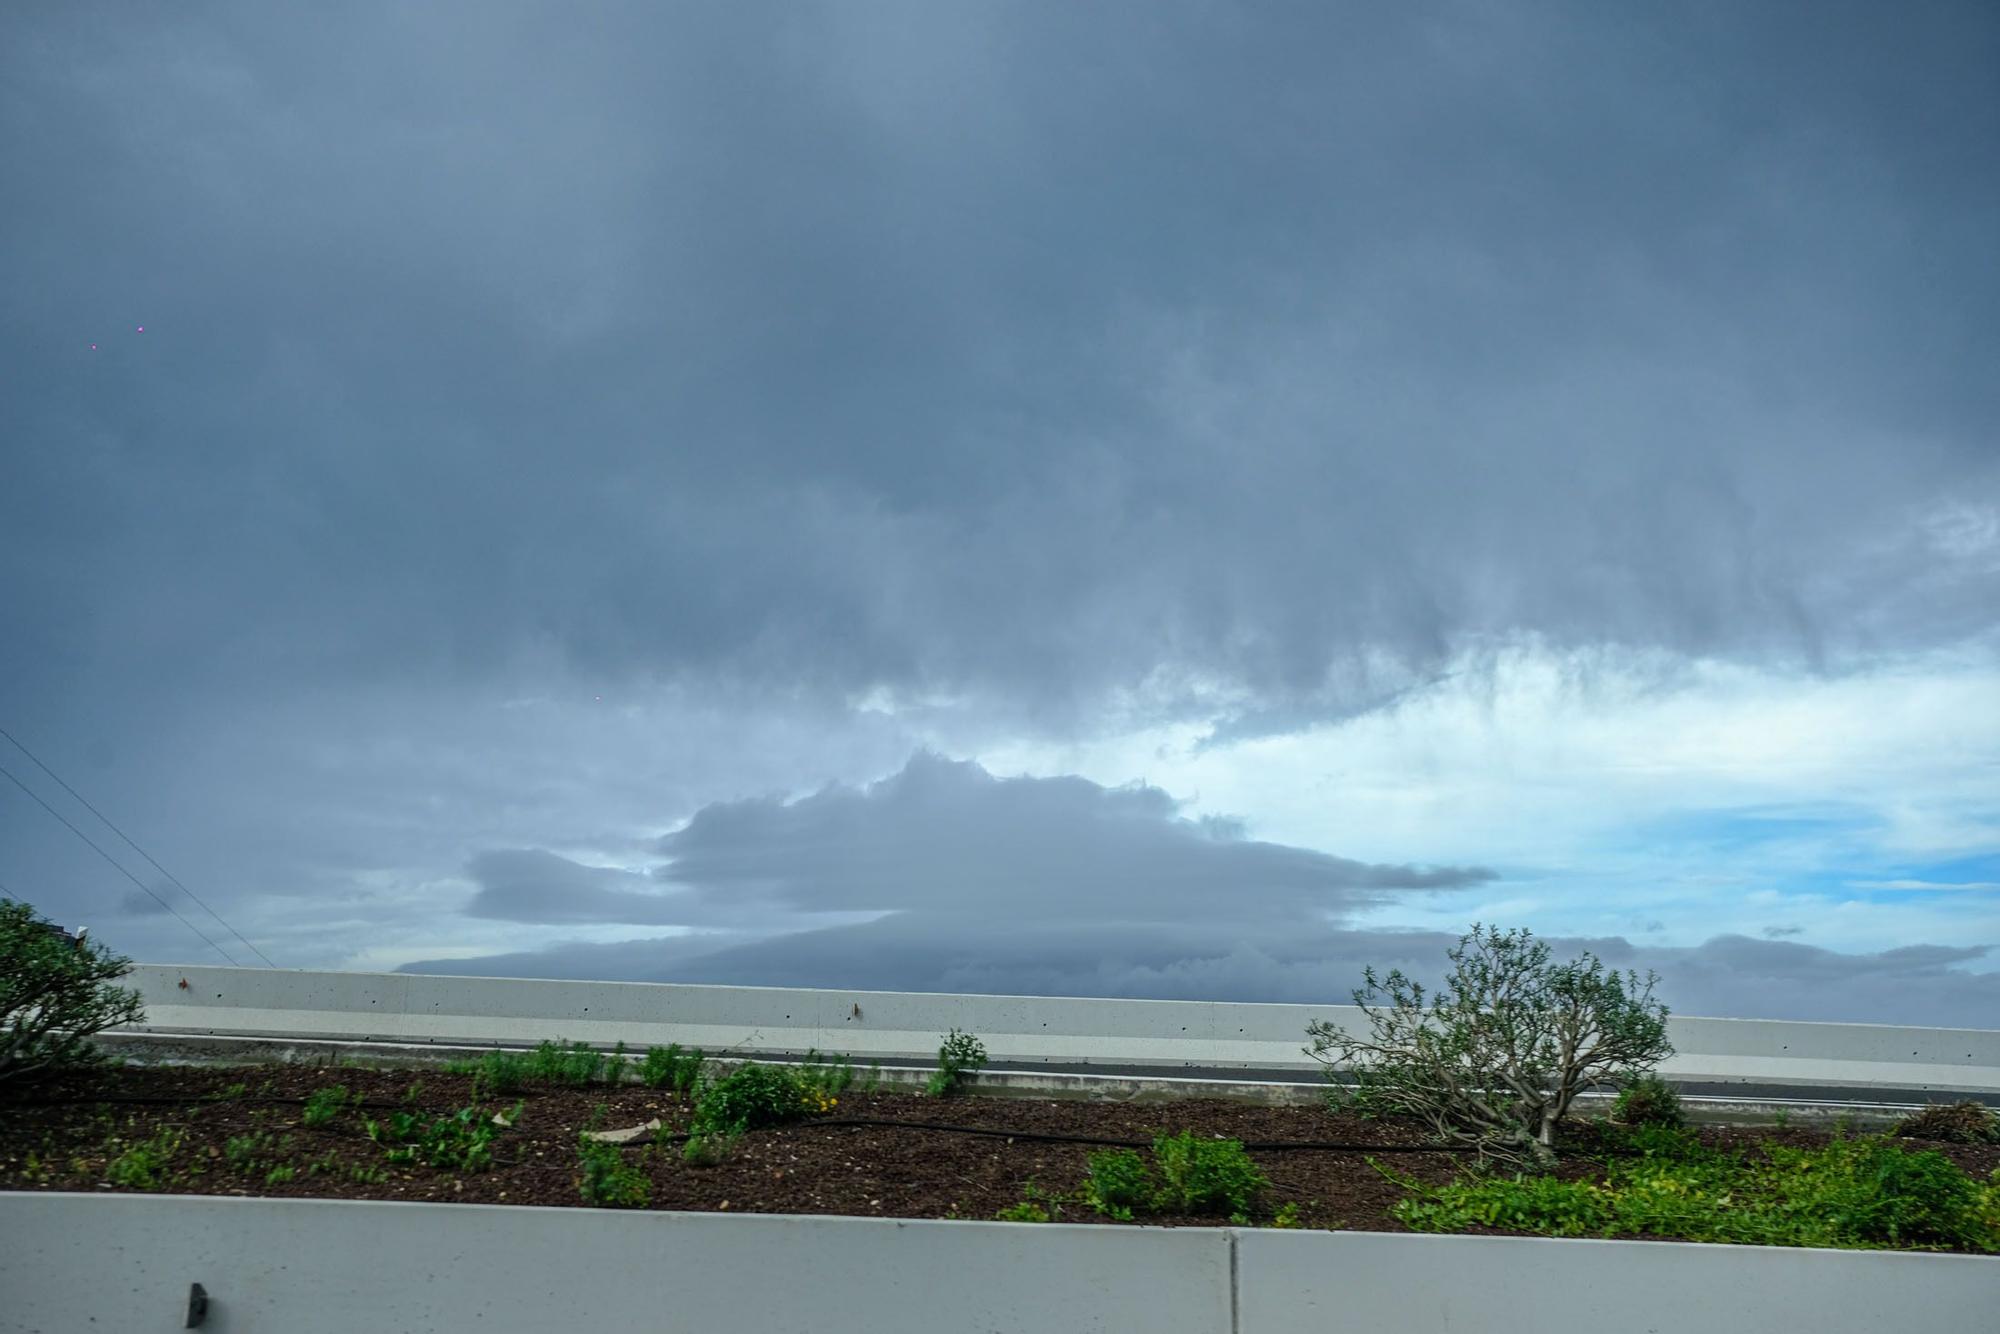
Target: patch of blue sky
x,y
1978,874
1755,830
1821,872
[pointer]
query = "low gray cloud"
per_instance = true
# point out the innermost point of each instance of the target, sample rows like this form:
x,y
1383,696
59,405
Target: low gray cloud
x,y
530,885
1783,932
1729,976
941,837
1059,886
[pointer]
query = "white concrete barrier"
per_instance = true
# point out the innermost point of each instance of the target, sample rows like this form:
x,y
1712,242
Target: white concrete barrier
x,y
124,1263
1017,1030
1300,1282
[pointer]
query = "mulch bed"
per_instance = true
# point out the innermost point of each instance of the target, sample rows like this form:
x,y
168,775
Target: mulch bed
x,y
62,1137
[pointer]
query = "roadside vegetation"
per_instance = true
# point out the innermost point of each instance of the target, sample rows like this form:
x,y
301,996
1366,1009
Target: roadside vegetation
x,y
1659,1182
959,1055
56,992
1456,1112
1495,1059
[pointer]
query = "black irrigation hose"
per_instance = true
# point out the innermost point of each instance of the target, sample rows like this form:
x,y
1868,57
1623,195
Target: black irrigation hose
x,y
1031,1136
1055,1137
162,1100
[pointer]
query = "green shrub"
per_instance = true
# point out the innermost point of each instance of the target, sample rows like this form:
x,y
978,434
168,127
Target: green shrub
x,y
1660,1141
608,1181
1956,1122
55,993
1850,1193
462,1141
1037,1205
1027,1211
751,1097
822,1080
1206,1176
670,1067
257,1152
325,1104
1498,1055
1648,1101
1119,1184
143,1165
958,1056
708,1149
575,1064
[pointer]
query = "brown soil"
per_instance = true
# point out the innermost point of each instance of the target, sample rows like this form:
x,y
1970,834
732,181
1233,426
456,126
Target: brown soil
x,y
64,1137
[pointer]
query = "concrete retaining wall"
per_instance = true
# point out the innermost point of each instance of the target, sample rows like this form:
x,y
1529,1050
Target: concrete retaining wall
x,y
1295,1282
1017,1030
75,1262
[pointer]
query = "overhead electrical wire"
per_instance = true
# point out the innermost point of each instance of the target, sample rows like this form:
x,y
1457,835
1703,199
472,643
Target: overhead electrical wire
x,y
116,865
172,879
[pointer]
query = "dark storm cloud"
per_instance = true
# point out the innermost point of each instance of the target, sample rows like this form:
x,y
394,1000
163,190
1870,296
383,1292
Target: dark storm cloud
x,y
534,886
1022,354
1044,369
947,837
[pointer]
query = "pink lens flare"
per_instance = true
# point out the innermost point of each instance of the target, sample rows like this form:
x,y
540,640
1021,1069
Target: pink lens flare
x,y
142,328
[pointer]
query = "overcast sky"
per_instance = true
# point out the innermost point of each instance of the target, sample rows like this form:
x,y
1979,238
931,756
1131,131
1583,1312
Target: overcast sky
x,y
1146,499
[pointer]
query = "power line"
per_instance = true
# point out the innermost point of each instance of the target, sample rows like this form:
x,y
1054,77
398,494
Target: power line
x,y
9,773
130,842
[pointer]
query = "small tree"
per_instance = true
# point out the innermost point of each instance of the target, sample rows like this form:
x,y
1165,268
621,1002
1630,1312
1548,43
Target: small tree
x,y
1496,1058
54,993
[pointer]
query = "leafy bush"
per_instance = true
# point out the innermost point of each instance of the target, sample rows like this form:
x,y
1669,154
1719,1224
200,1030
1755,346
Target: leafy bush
x,y
1119,1184
708,1149
259,1152
751,1097
143,1165
462,1141
1206,1176
575,1064
608,1181
55,992
958,1056
1956,1122
670,1067
1037,1205
1497,1056
325,1104
1851,1193
822,1080
1027,1211
1648,1101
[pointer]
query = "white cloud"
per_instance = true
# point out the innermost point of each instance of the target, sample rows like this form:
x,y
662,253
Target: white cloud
x,y
1589,781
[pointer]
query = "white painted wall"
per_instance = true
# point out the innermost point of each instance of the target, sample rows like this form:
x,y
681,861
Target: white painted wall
x,y
883,1025
1300,1282
123,1263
